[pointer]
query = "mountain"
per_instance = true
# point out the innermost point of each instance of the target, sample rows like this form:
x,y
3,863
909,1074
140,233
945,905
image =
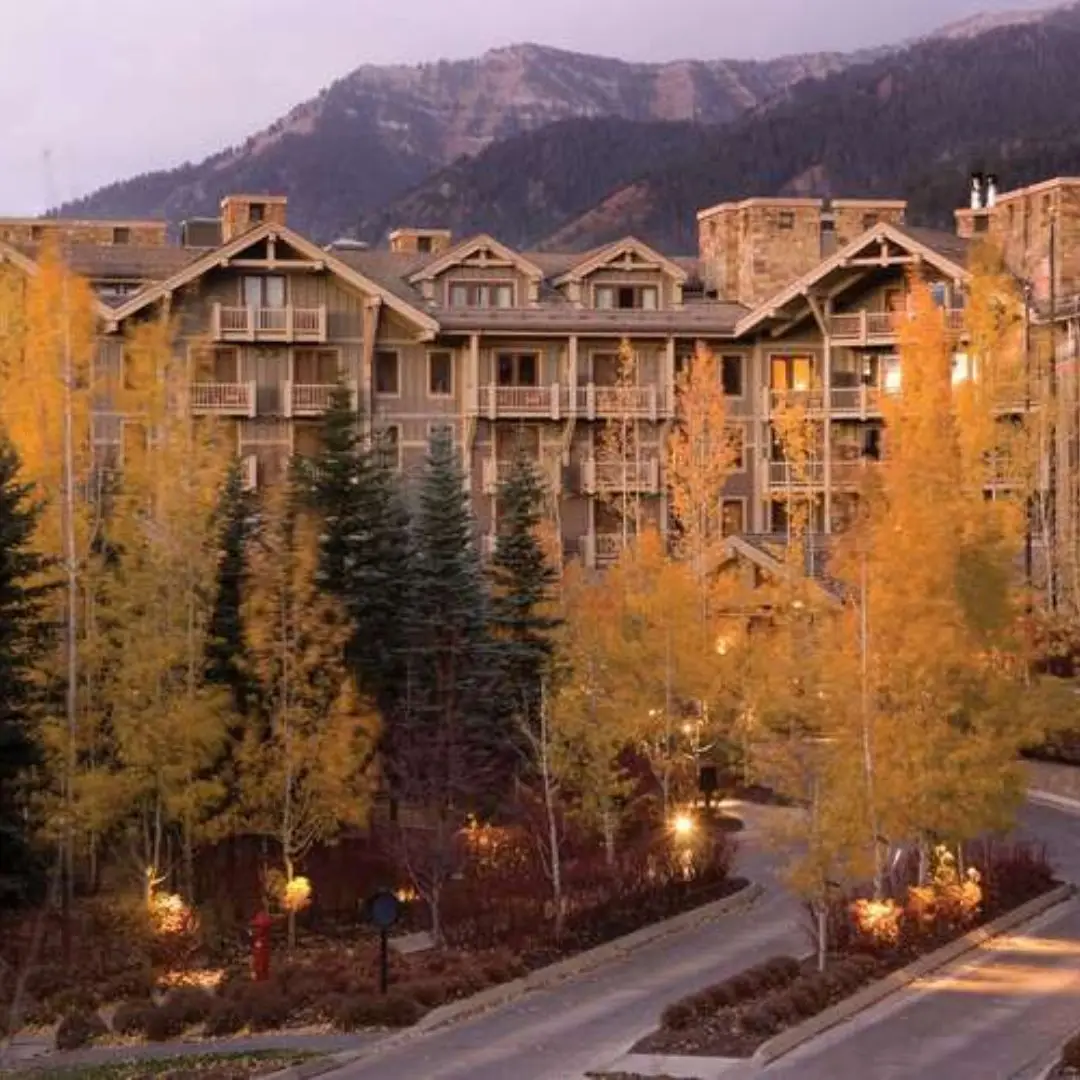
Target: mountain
x,y
913,124
374,134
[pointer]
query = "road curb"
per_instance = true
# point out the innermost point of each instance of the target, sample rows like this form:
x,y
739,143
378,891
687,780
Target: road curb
x,y
1058,802
786,1041
538,980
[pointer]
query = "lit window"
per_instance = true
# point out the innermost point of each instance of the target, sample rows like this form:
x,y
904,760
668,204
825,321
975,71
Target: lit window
x,y
890,379
386,372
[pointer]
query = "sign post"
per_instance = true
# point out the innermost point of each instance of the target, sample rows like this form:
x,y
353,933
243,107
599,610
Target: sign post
x,y
383,911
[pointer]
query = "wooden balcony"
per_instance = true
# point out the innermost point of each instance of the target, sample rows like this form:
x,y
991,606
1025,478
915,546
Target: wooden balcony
x,y
856,401
612,402
790,477
601,477
600,549
308,399
495,471
223,399
812,400
512,402
880,327
285,324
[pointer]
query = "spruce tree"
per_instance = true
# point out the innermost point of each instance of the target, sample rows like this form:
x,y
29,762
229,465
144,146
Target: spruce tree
x,y
227,662
450,715
523,581
363,549
24,633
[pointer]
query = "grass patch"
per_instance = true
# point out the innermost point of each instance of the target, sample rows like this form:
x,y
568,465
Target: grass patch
x,y
203,1066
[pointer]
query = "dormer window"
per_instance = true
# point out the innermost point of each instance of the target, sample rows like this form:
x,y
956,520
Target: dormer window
x,y
481,294
626,297
256,212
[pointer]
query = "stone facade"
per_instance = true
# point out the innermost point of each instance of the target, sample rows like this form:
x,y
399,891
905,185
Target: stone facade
x,y
753,249
242,212
66,231
421,241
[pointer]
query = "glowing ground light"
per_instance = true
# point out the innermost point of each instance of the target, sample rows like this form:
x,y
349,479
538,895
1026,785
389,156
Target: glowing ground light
x,y
683,825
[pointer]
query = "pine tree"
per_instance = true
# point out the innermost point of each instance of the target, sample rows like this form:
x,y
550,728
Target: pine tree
x,y
364,549
524,582
227,664
24,632
449,734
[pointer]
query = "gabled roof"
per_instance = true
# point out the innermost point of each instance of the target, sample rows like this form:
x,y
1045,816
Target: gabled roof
x,y
457,255
23,262
768,555
940,250
220,255
628,245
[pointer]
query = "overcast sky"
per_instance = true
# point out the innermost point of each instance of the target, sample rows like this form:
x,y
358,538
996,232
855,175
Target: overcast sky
x,y
97,90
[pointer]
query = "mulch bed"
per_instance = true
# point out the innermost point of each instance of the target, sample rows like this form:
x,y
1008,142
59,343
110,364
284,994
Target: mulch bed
x,y
196,1067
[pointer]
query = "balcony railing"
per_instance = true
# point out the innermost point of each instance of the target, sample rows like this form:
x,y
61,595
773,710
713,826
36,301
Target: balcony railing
x,y
599,477
495,471
812,400
223,399
609,402
600,549
542,402
269,323
308,399
785,474
868,327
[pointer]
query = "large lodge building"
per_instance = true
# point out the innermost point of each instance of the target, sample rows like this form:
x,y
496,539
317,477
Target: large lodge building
x,y
800,297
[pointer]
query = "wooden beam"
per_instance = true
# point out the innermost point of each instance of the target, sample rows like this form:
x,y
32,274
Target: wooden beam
x,y
274,264
815,309
886,260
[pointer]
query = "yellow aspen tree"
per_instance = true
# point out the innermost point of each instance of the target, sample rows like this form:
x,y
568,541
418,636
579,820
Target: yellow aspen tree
x,y
702,451
47,380
169,726
618,446
312,775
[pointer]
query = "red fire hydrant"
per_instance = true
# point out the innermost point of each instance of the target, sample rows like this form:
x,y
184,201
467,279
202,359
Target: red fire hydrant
x,y
260,946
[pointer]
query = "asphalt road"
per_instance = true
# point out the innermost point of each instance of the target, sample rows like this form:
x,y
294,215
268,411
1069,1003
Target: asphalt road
x,y
1000,1016
587,1022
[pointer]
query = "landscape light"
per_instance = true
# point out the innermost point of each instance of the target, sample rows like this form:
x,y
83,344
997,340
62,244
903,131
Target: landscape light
x,y
683,825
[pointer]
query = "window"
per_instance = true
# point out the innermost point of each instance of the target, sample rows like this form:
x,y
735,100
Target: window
x,y
315,367
387,379
939,293
732,375
626,297
517,369
792,373
982,223
787,219
481,294
440,374
423,245
36,233
388,442
121,234
440,427
256,212
263,290
870,220
733,517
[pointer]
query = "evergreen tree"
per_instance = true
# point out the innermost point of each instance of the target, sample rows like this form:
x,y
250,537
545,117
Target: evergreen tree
x,y
524,581
226,651
24,632
364,549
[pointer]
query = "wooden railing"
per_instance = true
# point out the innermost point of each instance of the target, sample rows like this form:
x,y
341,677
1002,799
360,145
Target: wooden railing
x,y
494,402
785,474
494,472
223,399
607,402
856,400
310,399
557,401
861,327
812,400
600,549
607,476
269,323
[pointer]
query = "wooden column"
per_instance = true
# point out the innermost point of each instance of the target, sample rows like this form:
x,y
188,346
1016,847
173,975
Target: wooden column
x,y
821,316
365,377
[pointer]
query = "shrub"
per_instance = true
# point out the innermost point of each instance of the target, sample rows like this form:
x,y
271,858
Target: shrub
x,y
130,1017
190,1004
1070,1053
348,1012
227,1017
761,1019
806,995
743,985
79,1028
431,993
163,1022
265,1006
721,996
400,1010
784,969
786,1012
137,984
679,1015
74,1000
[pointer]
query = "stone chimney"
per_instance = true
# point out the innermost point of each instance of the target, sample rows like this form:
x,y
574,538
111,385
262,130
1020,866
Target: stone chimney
x,y
411,241
239,213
